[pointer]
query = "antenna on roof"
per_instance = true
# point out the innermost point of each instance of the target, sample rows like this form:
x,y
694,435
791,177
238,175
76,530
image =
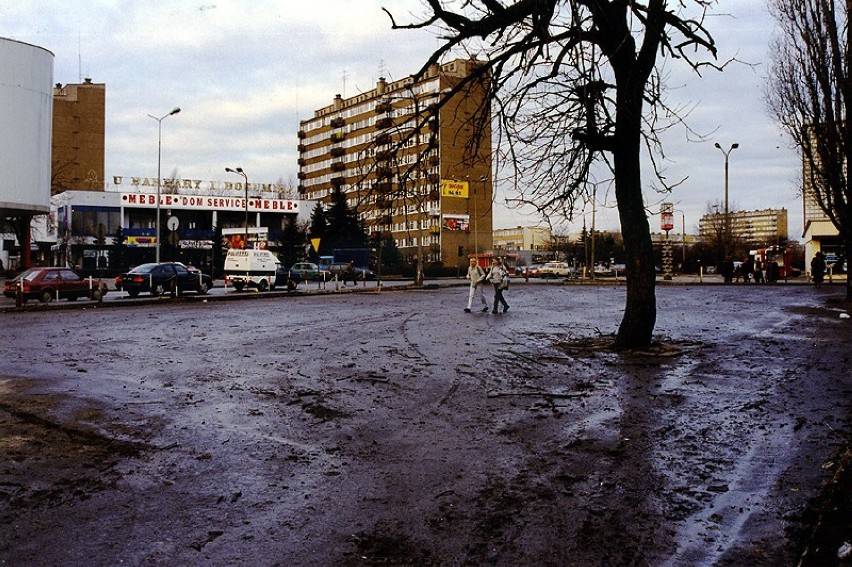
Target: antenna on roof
x,y
345,76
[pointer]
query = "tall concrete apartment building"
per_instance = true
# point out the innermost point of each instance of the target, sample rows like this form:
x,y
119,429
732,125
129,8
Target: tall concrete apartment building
x,y
424,186
79,119
766,227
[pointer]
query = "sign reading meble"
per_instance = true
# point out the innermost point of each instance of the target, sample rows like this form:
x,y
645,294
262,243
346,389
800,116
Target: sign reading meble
x,y
208,202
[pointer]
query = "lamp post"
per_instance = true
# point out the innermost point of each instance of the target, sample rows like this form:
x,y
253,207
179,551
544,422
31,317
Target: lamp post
x,y
682,238
239,170
727,210
159,120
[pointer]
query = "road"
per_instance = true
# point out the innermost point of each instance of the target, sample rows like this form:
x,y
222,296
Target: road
x,y
393,428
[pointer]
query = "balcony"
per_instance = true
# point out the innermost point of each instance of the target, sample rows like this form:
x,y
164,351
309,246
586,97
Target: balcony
x,y
337,152
338,181
383,107
384,155
302,134
383,187
383,139
302,176
338,166
384,123
338,122
337,137
301,148
434,178
302,161
302,189
384,172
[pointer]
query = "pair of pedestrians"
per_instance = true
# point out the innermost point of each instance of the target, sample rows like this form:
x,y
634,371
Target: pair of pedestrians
x,y
497,275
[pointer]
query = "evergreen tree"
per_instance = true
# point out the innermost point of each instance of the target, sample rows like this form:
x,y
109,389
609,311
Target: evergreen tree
x,y
293,239
319,229
344,229
118,252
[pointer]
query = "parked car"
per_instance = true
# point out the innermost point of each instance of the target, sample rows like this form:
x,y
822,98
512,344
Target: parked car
x,y
308,271
337,269
165,277
556,270
285,278
531,271
46,284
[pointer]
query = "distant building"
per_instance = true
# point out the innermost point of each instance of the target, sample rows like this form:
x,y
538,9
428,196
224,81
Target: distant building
x,y
755,228
522,238
430,193
79,123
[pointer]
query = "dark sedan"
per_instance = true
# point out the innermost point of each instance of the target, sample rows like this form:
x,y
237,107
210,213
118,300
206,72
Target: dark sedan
x,y
46,284
162,278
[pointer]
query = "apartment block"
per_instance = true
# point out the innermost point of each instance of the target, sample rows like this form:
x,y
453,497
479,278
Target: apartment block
x,y
759,228
79,118
407,163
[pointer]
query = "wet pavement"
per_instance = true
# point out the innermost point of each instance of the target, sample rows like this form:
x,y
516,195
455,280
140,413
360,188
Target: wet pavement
x,y
392,428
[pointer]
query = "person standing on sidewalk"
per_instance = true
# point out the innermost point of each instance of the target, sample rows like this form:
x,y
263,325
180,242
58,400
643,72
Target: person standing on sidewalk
x,y
498,275
818,269
476,275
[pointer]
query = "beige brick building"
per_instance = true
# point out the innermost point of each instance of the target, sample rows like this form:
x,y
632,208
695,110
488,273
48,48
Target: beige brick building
x,y
405,171
79,117
759,228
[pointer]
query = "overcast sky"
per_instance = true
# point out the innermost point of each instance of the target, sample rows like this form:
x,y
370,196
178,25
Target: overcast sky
x,y
244,74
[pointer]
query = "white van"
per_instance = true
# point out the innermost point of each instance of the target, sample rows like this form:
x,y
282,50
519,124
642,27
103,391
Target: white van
x,y
251,268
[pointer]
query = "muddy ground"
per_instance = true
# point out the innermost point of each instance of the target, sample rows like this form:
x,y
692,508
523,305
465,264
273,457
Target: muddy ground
x,y
394,429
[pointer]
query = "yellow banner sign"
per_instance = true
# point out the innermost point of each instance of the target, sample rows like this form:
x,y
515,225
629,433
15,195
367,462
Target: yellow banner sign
x,y
452,188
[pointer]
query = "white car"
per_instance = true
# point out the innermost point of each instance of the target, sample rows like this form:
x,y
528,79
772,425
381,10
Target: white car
x,y
555,270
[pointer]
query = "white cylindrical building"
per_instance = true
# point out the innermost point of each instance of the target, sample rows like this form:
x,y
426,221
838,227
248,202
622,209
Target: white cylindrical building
x,y
26,97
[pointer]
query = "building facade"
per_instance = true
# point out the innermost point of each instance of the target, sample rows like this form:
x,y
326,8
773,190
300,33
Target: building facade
x,y
86,223
522,238
820,234
412,166
761,228
25,97
79,123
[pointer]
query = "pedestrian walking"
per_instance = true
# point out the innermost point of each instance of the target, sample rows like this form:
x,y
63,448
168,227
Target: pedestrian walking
x,y
476,275
349,273
498,275
818,269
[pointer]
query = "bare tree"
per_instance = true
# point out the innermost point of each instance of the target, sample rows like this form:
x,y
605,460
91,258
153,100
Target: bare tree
x,y
810,93
576,85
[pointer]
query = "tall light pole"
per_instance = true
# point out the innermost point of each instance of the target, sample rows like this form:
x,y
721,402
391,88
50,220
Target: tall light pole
x,y
727,209
159,120
239,170
682,238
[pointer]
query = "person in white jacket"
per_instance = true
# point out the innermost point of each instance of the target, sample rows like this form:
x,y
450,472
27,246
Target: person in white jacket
x,y
476,275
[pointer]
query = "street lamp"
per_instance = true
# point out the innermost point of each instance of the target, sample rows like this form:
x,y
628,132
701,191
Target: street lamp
x,y
159,120
239,170
727,210
682,238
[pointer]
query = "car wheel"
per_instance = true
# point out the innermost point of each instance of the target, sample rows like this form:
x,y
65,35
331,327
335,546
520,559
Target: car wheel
x,y
73,297
158,290
97,294
134,293
45,296
238,286
291,285
262,285
203,289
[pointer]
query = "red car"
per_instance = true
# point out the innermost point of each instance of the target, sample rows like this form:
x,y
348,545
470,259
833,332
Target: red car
x,y
46,284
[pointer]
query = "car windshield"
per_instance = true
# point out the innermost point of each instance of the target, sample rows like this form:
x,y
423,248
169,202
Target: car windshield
x,y
143,269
